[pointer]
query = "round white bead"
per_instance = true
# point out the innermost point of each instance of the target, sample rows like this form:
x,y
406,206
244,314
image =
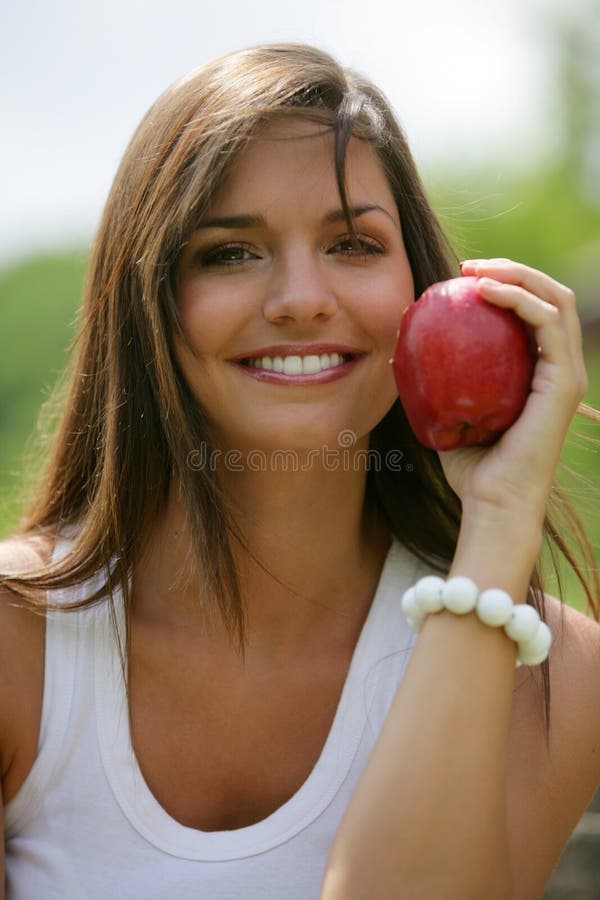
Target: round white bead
x,y
535,650
494,607
523,622
412,610
531,659
428,592
410,607
459,595
541,640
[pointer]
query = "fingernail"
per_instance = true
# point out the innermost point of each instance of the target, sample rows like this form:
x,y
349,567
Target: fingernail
x,y
471,263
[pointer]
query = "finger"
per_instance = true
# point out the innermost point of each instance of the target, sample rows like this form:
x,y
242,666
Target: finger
x,y
542,316
530,279
534,310
537,283
559,340
546,289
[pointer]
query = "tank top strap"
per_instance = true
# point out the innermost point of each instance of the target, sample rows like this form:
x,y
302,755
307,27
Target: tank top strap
x,y
64,666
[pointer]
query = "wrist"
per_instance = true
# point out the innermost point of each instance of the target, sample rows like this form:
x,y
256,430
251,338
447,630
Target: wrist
x,y
497,549
514,516
459,596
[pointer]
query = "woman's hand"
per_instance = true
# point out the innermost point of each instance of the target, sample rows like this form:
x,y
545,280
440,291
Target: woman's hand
x,y
516,472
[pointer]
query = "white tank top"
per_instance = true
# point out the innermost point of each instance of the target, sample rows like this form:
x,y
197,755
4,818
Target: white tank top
x,y
85,825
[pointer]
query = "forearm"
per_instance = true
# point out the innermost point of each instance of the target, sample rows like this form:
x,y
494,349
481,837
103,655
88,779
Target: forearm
x,y
428,816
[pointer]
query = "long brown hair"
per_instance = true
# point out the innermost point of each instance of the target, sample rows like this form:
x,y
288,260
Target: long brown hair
x,y
129,421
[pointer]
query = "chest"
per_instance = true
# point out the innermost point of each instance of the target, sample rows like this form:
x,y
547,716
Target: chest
x,y
221,751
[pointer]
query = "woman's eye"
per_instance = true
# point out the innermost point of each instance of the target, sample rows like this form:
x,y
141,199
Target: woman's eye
x,y
227,255
357,247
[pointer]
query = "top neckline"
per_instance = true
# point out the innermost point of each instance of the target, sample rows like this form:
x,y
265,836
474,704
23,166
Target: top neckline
x,y
153,822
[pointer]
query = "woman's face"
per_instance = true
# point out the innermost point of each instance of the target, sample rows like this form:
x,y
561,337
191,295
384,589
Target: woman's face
x,y
271,272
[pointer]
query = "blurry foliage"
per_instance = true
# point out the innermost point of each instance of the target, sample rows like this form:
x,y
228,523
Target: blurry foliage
x,y
548,218
539,219
38,301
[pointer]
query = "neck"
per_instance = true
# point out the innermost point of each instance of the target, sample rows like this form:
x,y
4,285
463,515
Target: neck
x,y
315,532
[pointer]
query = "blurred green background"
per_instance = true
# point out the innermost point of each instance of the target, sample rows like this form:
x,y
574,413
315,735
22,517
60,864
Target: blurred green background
x,y
547,216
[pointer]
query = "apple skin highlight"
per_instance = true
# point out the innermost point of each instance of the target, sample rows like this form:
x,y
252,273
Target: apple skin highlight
x,y
462,366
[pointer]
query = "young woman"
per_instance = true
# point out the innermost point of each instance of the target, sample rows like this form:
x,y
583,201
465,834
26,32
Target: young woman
x,y
223,697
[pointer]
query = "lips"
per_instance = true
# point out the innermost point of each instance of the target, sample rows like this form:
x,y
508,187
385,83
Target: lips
x,y
323,376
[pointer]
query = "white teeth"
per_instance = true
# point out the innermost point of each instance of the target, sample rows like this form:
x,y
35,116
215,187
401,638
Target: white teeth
x,y
311,364
297,365
292,365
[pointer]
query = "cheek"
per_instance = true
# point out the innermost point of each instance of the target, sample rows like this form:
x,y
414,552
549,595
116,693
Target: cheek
x,y
194,314
386,309
207,321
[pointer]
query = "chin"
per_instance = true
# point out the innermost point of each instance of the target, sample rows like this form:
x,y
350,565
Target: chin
x,y
293,448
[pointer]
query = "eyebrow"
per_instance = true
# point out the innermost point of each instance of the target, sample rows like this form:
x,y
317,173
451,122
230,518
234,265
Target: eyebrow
x,y
256,221
337,215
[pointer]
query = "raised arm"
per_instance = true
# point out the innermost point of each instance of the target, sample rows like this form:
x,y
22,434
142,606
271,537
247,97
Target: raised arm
x,y
433,813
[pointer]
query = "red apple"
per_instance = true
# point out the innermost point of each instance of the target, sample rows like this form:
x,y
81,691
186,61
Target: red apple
x,y
463,367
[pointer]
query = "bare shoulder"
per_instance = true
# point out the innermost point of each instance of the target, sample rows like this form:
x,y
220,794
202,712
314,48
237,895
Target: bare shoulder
x,y
21,665
550,782
575,687
25,553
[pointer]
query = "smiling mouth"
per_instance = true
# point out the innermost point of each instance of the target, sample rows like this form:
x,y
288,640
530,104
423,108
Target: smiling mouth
x,y
298,365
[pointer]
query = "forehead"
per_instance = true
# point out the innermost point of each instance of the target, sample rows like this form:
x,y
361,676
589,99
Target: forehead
x,y
293,160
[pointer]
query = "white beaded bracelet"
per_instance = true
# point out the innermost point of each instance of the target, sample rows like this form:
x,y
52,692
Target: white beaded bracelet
x,y
494,607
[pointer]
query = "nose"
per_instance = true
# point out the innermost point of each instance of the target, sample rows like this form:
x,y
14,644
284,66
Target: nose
x,y
299,290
